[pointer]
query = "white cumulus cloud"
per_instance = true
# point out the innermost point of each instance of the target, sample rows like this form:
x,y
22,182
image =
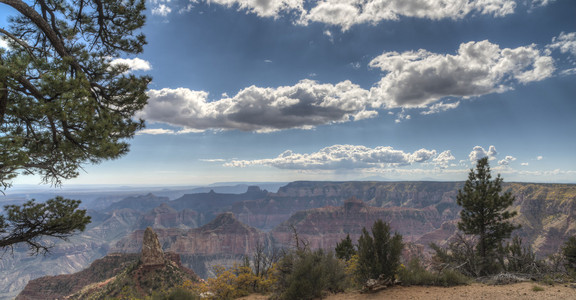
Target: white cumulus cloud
x,y
565,42
507,160
444,159
161,10
304,105
479,152
346,13
419,78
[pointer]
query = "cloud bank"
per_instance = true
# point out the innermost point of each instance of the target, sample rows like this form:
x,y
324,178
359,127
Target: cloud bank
x,y
378,159
413,79
347,157
347,13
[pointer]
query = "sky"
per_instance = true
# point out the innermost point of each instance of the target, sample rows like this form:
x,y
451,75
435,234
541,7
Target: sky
x,y
284,90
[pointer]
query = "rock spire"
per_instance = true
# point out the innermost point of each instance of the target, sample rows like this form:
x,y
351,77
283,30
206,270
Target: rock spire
x,y
151,251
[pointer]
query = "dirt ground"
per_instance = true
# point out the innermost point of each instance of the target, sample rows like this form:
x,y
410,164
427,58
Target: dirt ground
x,y
474,291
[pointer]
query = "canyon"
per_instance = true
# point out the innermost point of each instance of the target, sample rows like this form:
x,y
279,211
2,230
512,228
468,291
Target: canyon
x,y
208,228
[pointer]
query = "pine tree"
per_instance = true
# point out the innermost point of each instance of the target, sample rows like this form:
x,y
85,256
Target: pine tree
x,y
484,213
379,253
31,222
63,103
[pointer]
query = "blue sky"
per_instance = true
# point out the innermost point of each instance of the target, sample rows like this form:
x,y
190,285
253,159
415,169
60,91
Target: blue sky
x,y
282,90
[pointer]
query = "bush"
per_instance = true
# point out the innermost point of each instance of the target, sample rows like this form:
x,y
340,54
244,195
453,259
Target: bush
x,y
536,288
569,252
415,274
305,274
450,277
177,294
232,283
460,254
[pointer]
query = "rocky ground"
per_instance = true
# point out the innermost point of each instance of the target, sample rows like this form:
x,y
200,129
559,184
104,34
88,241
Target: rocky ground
x,y
476,291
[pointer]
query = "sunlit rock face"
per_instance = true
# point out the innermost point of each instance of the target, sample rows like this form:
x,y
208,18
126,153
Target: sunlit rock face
x,y
151,250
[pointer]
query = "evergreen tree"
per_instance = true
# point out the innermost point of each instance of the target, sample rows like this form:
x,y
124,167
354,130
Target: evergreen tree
x,y
484,213
379,253
32,221
63,103
345,249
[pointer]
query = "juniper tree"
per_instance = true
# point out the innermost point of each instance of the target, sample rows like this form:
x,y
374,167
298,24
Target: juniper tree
x,y
345,249
484,213
379,252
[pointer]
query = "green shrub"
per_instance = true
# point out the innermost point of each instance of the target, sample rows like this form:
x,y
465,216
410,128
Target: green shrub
x,y
416,274
451,277
176,294
305,274
537,288
569,252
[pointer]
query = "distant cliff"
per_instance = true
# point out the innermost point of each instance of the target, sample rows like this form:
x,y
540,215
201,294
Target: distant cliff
x,y
276,208
323,213
325,227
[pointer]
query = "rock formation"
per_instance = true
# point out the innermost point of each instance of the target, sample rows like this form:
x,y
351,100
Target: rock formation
x,y
223,238
152,254
115,274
